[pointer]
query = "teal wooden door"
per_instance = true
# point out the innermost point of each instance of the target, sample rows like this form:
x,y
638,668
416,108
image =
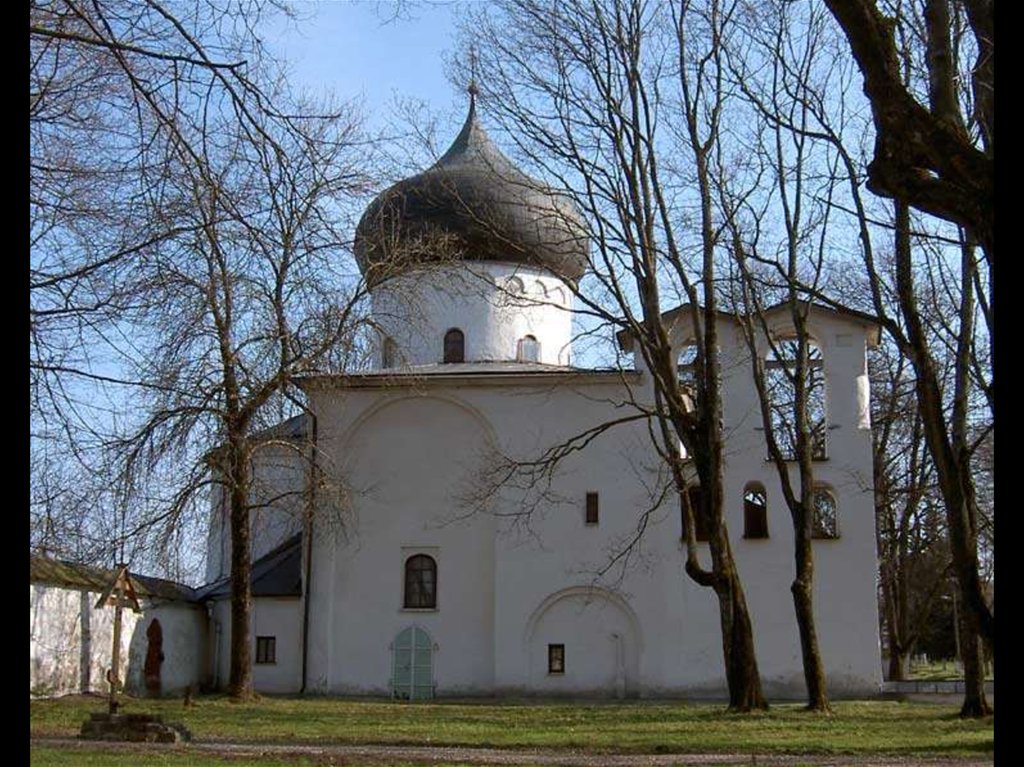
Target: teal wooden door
x,y
412,667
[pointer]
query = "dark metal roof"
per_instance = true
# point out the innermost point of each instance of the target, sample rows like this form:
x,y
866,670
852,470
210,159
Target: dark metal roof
x,y
55,572
473,203
277,573
295,428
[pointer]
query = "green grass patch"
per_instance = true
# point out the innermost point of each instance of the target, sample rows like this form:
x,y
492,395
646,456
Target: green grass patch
x,y
51,756
890,727
939,671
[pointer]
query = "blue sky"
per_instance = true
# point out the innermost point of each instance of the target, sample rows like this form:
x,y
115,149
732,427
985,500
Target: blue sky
x,y
351,48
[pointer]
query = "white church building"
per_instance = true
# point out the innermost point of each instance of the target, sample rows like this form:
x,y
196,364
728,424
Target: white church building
x,y
419,575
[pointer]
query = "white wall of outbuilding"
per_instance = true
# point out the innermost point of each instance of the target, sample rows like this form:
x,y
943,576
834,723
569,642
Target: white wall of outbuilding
x,y
71,643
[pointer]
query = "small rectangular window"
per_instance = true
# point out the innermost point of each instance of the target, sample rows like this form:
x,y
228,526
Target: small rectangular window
x,y
556,658
591,508
266,649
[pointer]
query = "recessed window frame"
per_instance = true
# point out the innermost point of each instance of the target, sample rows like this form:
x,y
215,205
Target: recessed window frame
x,y
818,531
556,659
779,367
528,349
414,594
388,352
755,516
592,511
454,346
266,650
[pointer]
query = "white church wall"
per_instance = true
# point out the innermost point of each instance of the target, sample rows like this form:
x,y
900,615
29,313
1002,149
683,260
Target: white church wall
x,y
184,630
279,479
70,641
845,568
217,537
405,463
563,557
494,304
280,618
276,617
507,590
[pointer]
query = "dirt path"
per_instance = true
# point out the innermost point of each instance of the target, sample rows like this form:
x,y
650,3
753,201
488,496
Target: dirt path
x,y
338,754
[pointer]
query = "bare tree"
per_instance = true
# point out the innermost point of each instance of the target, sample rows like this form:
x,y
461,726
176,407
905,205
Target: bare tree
x,y
607,97
206,271
934,133
913,552
932,297
777,218
110,84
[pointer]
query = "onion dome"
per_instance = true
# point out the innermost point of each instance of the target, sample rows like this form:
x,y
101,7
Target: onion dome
x,y
471,204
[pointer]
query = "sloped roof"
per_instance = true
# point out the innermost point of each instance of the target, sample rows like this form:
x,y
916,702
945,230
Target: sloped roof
x,y
277,573
56,572
625,336
296,427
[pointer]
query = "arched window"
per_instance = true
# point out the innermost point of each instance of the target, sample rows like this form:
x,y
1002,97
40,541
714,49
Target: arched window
x,y
824,519
529,349
420,582
686,369
389,352
755,511
454,346
780,382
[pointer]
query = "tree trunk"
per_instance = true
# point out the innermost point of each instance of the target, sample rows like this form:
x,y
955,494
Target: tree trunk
x,y
803,602
240,679
975,703
741,672
897,664
952,465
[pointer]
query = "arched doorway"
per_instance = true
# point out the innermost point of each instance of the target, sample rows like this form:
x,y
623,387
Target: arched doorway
x,y
154,657
412,665
583,641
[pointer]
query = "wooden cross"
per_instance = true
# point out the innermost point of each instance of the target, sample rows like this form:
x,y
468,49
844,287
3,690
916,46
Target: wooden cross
x,y
119,594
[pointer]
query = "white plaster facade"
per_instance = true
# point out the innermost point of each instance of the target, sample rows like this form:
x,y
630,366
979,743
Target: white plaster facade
x,y
277,617
410,452
406,449
495,303
71,640
409,446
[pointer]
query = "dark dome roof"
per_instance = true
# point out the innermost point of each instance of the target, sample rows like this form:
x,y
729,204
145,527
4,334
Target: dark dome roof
x,y
473,203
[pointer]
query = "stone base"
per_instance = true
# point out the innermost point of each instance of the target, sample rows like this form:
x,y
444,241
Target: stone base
x,y
138,728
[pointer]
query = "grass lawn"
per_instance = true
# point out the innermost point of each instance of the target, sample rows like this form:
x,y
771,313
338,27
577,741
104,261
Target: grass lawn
x,y
48,756
937,671
646,727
